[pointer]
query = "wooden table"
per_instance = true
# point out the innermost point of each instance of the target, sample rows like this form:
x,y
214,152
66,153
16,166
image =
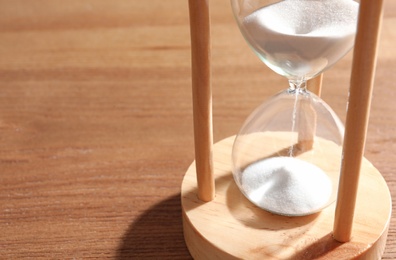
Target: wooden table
x,y
96,121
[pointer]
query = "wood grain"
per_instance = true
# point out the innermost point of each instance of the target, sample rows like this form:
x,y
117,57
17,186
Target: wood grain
x,y
96,129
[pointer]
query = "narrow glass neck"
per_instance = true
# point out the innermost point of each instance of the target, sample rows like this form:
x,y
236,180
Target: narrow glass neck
x,y
297,85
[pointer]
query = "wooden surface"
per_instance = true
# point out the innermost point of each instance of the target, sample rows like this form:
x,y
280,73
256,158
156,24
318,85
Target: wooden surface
x,y
96,121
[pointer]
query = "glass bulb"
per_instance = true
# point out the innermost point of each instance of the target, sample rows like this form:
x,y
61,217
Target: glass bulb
x,y
280,156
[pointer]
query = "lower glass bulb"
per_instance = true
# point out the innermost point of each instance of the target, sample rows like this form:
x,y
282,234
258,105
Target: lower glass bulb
x,y
286,157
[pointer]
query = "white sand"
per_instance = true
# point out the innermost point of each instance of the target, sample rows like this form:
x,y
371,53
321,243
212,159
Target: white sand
x,y
287,186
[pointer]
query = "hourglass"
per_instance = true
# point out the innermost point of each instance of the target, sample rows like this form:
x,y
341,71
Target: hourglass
x,y
299,40
269,191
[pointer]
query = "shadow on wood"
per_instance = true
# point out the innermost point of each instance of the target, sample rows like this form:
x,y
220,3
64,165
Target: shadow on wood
x,y
156,234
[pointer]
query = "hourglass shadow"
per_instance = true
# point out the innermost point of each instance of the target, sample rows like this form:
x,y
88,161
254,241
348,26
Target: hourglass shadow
x,y
317,249
156,234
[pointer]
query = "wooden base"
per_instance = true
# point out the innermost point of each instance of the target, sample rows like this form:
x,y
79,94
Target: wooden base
x,y
231,227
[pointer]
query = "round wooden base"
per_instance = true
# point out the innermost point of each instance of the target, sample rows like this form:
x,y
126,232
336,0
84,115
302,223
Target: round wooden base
x,y
231,227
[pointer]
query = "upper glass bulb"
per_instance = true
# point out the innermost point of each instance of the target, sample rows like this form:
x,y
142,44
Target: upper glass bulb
x,y
298,39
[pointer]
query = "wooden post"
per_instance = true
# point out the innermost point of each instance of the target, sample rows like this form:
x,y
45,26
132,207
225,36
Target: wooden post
x,y
308,117
202,96
315,85
362,78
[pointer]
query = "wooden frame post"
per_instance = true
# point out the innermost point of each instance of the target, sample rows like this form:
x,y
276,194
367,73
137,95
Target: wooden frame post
x,y
202,96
